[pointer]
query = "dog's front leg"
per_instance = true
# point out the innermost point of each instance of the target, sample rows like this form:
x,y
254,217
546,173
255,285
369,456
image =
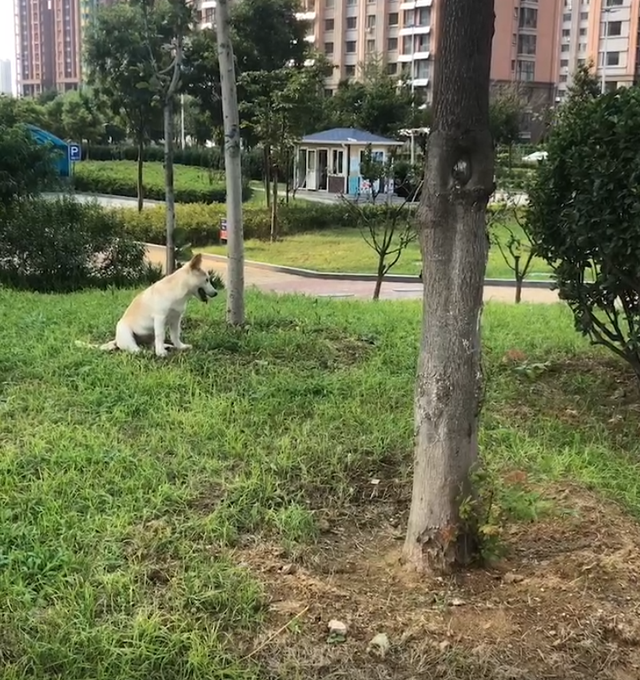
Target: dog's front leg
x,y
174,332
159,332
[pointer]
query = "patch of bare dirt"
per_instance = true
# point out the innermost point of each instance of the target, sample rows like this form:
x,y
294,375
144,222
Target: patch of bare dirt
x,y
564,605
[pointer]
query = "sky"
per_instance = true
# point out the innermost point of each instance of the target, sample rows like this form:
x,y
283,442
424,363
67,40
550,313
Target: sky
x,y
7,50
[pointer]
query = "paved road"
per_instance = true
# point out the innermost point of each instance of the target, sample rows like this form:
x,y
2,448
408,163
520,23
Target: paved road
x,y
278,282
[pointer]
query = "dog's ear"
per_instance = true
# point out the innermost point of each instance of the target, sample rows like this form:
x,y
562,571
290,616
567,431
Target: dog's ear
x,y
196,261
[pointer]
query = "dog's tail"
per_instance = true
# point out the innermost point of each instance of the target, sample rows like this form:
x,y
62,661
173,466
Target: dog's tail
x,y
107,347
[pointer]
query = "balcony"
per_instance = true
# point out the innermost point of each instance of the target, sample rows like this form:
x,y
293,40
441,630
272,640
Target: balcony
x,y
414,30
415,4
305,16
420,82
406,58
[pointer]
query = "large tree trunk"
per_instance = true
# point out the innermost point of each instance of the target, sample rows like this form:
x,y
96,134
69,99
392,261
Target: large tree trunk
x,y
140,183
169,193
454,243
233,170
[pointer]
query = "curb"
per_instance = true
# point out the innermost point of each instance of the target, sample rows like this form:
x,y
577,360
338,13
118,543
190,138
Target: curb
x,y
340,276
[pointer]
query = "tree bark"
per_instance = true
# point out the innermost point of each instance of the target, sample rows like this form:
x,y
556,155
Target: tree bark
x,y
140,173
267,173
454,244
169,192
232,157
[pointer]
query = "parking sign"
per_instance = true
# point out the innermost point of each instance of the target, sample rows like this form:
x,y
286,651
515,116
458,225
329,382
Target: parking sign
x,y
75,153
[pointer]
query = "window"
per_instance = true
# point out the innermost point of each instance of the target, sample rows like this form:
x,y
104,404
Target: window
x,y
422,69
423,16
566,32
352,2
614,3
393,19
564,48
328,24
329,3
408,18
371,46
582,47
350,70
614,28
526,70
392,68
564,63
337,162
527,44
423,42
584,16
563,78
351,23
392,45
583,32
612,59
407,44
350,47
328,92
528,17
328,48
371,20
566,16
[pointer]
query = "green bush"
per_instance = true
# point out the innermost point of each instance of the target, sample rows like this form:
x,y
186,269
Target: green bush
x,y
199,224
198,156
63,245
119,178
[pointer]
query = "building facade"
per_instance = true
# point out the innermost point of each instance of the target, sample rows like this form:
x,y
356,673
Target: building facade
x,y
6,77
603,33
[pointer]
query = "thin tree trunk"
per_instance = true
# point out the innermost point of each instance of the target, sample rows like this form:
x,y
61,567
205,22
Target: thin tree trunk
x,y
170,250
379,276
274,206
233,167
140,185
518,290
452,219
267,173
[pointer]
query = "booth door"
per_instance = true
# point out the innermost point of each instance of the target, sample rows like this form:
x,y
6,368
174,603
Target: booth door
x,y
312,170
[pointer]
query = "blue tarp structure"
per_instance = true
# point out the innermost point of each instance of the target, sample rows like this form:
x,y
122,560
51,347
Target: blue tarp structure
x,y
62,159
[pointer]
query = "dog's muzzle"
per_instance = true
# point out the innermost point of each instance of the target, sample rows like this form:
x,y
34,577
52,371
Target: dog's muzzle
x,y
202,294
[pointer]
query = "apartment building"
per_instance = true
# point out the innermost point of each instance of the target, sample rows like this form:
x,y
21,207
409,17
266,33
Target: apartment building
x,y
604,33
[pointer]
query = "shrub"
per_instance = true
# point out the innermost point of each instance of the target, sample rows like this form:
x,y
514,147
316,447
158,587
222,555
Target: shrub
x,y
63,245
584,214
198,156
199,224
26,167
119,178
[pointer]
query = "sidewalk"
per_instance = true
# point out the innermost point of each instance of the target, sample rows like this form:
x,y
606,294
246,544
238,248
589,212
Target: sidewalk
x,y
279,282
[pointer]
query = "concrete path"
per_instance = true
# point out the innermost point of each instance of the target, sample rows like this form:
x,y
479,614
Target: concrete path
x,y
278,282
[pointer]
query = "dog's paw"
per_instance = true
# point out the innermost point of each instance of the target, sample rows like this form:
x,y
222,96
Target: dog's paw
x,y
182,347
162,353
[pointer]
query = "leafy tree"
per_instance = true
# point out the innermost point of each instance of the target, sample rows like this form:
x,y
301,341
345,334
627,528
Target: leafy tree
x,y
508,233
14,111
281,105
167,27
375,103
266,36
443,530
584,209
25,165
121,70
389,229
505,115
81,119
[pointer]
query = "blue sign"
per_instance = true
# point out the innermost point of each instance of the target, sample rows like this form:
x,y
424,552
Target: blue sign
x,y
75,153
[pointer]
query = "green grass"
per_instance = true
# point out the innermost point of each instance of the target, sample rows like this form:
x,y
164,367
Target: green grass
x,y
126,483
344,250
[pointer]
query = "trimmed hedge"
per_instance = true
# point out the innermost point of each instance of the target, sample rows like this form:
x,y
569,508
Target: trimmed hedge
x,y
195,156
200,224
119,178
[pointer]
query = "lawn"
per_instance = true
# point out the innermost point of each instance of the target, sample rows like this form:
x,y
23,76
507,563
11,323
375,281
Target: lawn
x,y
344,250
203,517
